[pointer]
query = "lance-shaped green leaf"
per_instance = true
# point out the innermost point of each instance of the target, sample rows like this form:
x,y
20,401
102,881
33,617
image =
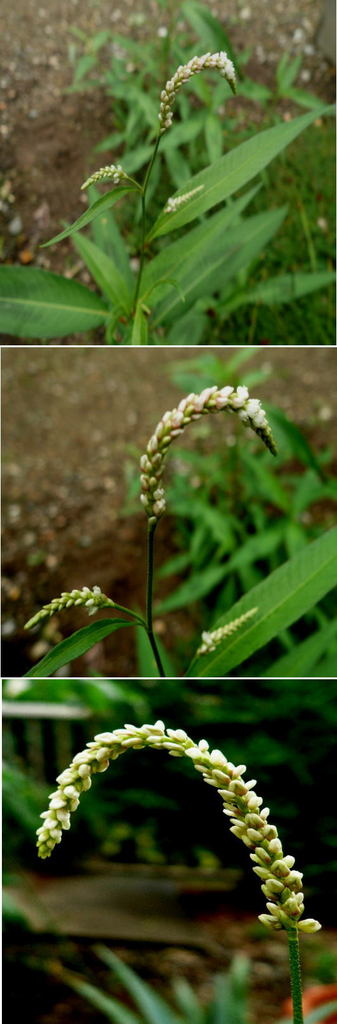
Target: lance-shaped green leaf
x,y
104,272
36,303
285,288
75,645
300,661
106,234
139,334
220,261
287,594
182,254
102,204
231,172
105,1004
152,1007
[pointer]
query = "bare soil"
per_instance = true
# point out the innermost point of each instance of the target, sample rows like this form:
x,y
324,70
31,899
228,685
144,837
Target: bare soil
x,y
75,422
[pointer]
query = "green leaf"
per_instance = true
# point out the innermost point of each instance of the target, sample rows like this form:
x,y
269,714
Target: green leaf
x,y
111,1009
292,436
281,599
177,166
214,137
304,657
75,645
197,586
136,158
220,261
233,171
102,204
152,1007
107,236
139,334
104,272
189,329
288,287
184,252
36,303
286,72
305,99
207,27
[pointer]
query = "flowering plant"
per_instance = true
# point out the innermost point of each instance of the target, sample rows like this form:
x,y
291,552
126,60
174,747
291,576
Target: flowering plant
x,y
281,883
257,617
164,295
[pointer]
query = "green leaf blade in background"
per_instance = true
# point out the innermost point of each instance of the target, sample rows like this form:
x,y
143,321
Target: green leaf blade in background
x,y
287,594
232,171
288,287
183,253
223,258
104,272
139,334
97,208
300,661
75,645
37,303
152,1007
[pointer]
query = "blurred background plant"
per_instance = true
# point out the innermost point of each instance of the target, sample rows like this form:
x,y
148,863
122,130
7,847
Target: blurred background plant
x,y
132,77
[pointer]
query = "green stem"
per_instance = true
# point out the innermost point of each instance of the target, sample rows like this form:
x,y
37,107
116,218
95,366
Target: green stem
x,y
120,608
144,190
295,976
149,592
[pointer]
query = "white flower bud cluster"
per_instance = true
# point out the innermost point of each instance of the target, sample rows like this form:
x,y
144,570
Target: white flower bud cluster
x,y
112,172
172,424
281,884
219,61
91,599
211,640
175,202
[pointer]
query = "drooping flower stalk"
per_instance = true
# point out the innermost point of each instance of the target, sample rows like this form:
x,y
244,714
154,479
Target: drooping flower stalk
x,y
172,424
219,61
281,883
211,640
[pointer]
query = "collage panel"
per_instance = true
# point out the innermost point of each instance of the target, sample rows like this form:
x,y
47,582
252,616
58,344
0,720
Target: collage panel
x,y
169,567
185,501
142,898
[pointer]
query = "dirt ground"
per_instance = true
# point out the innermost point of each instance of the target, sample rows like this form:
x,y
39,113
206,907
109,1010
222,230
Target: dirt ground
x,y
75,422
48,135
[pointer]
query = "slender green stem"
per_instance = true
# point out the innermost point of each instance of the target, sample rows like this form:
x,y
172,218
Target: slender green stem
x,y
120,608
295,976
144,190
149,592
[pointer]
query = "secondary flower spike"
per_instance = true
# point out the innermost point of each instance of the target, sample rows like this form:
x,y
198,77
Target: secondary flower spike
x,y
91,599
172,424
219,61
111,172
210,641
281,884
